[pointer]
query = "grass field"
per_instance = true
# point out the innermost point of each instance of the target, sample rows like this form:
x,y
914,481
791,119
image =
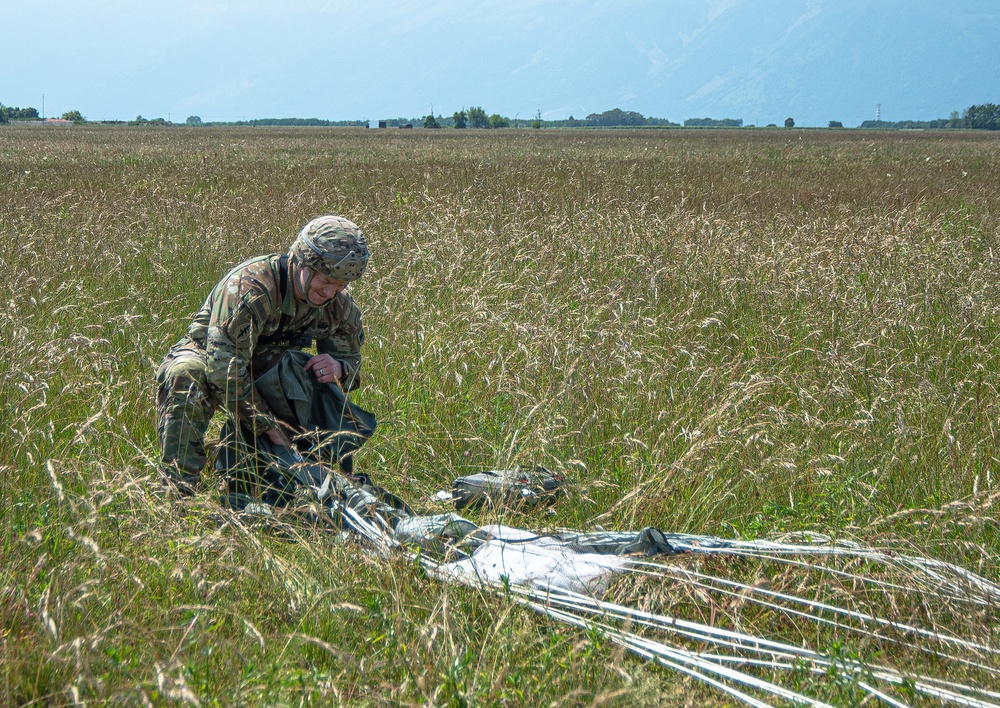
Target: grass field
x,y
738,333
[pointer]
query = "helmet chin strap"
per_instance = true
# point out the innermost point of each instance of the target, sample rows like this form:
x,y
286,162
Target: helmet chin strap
x,y
301,285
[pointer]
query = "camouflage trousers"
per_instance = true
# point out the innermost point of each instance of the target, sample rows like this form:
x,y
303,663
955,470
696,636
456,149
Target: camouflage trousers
x,y
184,409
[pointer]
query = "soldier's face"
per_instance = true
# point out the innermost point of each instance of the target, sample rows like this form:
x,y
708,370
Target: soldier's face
x,y
323,289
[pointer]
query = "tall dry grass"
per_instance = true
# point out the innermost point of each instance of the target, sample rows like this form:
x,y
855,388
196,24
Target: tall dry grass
x,y
739,333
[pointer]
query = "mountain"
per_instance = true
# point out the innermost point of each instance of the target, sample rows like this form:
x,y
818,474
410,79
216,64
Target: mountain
x,y
759,60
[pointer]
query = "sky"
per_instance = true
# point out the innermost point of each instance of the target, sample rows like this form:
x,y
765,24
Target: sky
x,y
761,61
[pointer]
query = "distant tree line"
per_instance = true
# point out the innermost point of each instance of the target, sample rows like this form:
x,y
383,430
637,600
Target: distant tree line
x,y
139,120
981,117
712,123
300,122
476,117
9,113
939,123
295,122
197,121
615,118
985,116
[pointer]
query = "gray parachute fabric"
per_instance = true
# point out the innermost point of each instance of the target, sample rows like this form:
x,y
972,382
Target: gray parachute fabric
x,y
649,541
438,534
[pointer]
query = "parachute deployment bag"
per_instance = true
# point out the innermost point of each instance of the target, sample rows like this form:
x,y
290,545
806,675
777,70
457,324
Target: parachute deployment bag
x,y
507,488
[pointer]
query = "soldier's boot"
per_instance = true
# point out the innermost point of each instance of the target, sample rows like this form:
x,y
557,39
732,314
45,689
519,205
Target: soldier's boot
x,y
347,469
177,482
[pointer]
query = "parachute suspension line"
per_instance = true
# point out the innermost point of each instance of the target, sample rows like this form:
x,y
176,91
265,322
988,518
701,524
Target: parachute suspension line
x,y
727,667
933,572
378,533
854,577
552,598
820,607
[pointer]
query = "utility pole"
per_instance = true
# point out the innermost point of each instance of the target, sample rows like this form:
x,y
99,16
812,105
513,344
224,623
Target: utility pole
x,y
43,106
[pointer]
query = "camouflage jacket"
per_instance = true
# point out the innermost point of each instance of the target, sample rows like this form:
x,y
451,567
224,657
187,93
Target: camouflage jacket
x,y
245,325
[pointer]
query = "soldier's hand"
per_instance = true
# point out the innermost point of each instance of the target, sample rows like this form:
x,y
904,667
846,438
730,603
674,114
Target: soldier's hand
x,y
275,436
325,368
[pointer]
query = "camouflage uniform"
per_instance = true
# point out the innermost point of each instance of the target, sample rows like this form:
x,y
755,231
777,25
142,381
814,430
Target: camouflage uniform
x,y
238,334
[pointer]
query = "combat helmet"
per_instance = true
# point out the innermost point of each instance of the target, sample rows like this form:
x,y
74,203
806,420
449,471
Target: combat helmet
x,y
333,246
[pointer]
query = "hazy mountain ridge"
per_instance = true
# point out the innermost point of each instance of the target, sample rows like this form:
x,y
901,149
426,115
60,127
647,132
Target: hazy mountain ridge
x,y
758,60
833,64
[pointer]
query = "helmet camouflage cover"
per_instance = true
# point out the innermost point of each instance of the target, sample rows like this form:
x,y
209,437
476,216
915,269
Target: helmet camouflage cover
x,y
333,246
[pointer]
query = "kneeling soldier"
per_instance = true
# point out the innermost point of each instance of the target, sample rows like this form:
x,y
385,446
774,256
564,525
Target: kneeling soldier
x,y
260,310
